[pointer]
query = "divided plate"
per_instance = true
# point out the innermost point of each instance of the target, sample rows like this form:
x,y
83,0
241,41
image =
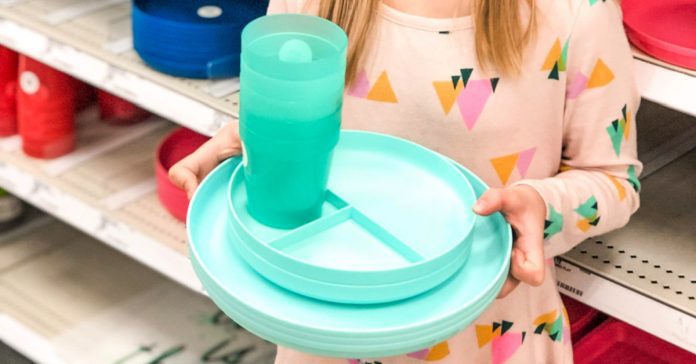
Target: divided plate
x,y
396,223
340,330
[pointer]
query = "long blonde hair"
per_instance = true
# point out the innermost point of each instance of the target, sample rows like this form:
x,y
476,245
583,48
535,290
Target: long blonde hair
x,y
501,33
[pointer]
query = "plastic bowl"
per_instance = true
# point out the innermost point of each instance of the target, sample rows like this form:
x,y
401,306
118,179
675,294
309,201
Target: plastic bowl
x,y
174,147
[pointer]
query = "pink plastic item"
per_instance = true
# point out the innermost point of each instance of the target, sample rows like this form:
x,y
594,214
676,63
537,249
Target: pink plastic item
x,y
175,146
619,343
583,318
664,29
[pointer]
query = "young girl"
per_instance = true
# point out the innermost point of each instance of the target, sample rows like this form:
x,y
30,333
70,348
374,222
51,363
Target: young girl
x,y
536,97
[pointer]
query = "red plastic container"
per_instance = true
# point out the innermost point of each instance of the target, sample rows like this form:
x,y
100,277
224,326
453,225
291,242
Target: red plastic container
x,y
664,29
583,318
46,101
85,95
175,146
619,343
117,111
8,100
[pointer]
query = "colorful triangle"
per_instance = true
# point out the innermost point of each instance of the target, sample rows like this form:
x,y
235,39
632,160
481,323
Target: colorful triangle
x,y
554,224
506,326
382,90
466,74
447,94
563,60
633,178
601,75
553,56
619,187
577,86
525,160
505,346
484,334
472,99
494,83
438,352
360,86
455,81
553,75
504,165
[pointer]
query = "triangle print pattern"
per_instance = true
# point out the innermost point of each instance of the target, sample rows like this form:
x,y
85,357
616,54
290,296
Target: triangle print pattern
x,y
553,324
504,342
556,60
436,353
554,224
505,165
470,95
589,211
600,76
619,130
380,91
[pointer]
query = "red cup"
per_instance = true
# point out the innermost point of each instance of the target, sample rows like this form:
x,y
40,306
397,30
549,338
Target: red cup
x,y
174,147
85,95
9,60
117,111
46,101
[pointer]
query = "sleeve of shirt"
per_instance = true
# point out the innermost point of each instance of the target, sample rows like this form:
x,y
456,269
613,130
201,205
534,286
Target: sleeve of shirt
x,y
293,7
597,188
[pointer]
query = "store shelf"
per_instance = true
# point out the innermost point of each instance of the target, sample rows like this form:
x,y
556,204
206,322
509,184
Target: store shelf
x,y
665,84
91,40
644,274
65,298
106,188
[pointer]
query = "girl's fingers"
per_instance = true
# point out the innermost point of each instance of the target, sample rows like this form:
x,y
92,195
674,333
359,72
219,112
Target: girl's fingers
x,y
183,177
510,284
491,201
528,265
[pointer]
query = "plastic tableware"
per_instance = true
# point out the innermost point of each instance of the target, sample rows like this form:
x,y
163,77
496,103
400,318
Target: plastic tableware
x,y
8,100
291,93
174,147
397,221
198,39
617,342
117,111
665,29
46,101
332,329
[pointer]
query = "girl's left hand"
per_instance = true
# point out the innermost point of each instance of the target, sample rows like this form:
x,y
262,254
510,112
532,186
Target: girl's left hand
x,y
525,210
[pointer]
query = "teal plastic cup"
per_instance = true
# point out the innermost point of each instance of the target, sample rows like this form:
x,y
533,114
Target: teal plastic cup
x,y
292,80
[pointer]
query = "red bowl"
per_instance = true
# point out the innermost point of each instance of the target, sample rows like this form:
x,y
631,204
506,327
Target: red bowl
x,y
664,29
9,61
619,343
174,147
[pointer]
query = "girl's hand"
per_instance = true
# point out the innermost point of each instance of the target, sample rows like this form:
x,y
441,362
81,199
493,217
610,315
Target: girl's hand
x,y
525,210
189,172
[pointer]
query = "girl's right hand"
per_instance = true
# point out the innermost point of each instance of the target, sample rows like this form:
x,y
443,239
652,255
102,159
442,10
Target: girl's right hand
x,y
190,171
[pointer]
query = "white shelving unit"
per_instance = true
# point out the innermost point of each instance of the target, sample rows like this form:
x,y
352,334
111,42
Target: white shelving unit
x,y
61,291
106,188
91,40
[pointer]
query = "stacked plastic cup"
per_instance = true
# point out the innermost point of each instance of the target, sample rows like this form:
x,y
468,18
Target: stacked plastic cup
x,y
292,79
8,83
46,100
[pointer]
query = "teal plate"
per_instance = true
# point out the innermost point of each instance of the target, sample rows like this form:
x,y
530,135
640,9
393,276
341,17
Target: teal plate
x,y
332,329
396,223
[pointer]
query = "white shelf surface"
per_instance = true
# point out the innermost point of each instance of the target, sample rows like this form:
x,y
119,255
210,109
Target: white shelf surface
x,y
644,273
65,298
91,40
106,188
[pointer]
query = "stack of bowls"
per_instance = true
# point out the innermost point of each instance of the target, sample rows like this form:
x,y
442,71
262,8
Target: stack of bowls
x,y
192,38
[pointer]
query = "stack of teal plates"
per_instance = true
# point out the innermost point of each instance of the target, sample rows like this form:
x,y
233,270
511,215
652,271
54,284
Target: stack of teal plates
x,y
397,262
